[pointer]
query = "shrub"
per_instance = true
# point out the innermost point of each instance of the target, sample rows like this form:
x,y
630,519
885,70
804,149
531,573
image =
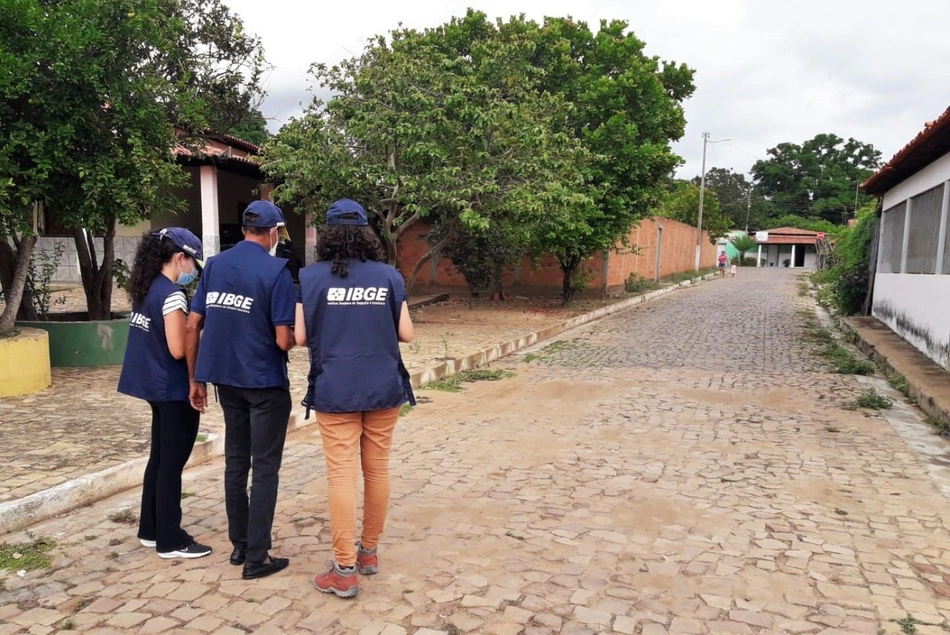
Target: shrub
x,y
638,284
848,278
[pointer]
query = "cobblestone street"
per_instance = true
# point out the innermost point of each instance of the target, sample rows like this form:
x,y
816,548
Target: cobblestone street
x,y
684,467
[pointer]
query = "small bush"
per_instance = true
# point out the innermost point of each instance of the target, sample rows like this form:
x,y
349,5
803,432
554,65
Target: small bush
x,y
454,382
872,400
899,383
638,284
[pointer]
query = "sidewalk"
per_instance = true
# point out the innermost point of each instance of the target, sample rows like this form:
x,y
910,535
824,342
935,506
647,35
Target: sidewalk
x,y
927,383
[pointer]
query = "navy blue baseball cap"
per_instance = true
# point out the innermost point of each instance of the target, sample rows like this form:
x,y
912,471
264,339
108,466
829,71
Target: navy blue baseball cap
x,y
268,215
185,241
347,212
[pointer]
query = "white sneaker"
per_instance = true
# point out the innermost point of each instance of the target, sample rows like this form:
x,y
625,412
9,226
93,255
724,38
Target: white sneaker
x,y
147,543
194,550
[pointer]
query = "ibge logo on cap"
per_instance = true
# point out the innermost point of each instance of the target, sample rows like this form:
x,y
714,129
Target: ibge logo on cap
x,y
357,296
230,301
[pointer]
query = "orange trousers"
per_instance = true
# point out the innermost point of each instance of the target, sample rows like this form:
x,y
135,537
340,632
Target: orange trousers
x,y
351,439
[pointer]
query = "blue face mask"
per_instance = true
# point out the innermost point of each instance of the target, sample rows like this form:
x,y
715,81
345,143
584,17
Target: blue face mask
x,y
186,278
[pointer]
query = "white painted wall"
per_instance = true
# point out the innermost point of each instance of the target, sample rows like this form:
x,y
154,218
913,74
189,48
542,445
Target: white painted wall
x,y
916,302
931,176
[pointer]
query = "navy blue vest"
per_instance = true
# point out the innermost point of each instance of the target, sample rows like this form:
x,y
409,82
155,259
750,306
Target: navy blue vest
x,y
355,363
149,371
243,294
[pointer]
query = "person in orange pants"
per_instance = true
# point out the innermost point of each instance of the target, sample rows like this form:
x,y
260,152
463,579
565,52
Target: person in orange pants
x,y
352,313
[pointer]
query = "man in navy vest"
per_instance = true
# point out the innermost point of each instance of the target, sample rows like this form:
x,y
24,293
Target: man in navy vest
x,y
244,312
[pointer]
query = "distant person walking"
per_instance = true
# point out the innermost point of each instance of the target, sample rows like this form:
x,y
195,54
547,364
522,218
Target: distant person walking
x,y
154,369
723,259
352,314
245,306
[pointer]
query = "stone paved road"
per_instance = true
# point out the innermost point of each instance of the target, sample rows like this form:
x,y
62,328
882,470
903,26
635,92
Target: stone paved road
x,y
81,425
685,467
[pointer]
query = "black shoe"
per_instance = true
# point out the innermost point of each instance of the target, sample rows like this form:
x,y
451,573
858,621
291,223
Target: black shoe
x,y
194,550
270,565
238,556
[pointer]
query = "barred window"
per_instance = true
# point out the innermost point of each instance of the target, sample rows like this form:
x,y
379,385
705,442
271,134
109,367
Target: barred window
x,y
892,239
924,231
946,248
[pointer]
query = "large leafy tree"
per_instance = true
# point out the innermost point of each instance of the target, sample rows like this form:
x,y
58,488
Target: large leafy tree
x,y
680,202
420,129
818,178
628,109
88,96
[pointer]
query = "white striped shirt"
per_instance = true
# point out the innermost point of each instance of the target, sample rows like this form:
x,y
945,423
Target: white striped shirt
x,y
175,302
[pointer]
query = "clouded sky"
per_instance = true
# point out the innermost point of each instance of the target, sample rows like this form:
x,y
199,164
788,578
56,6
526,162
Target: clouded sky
x,y
767,71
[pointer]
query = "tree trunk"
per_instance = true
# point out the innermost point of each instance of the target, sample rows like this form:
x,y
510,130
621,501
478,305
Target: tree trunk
x,y
434,250
96,276
8,264
15,292
569,266
498,292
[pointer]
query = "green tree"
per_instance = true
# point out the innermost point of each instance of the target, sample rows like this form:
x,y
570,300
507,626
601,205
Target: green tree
x,y
253,130
681,203
811,224
743,243
88,96
817,178
628,109
417,129
221,63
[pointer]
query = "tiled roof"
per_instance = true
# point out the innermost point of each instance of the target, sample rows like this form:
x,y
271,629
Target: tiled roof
x,y
790,236
929,145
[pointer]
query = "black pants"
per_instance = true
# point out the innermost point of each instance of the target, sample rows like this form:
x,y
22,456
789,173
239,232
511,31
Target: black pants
x,y
255,422
174,429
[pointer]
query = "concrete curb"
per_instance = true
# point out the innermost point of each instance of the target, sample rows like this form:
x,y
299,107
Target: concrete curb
x,y
87,489
917,385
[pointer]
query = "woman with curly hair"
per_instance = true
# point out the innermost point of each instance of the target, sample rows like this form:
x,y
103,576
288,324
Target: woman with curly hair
x,y
154,369
352,313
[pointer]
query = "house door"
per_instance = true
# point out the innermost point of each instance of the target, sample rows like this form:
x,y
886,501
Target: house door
x,y
800,256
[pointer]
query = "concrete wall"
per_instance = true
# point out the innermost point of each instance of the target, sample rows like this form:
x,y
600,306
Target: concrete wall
x,y
916,307
677,254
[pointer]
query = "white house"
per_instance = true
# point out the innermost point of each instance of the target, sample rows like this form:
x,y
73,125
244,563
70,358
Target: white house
x,y
788,247
912,282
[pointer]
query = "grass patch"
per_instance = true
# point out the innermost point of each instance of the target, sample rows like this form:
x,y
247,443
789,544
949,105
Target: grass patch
x,y
840,511
842,361
941,426
26,556
185,495
124,517
683,276
405,409
115,542
454,382
872,400
833,429
201,438
550,351
899,383
803,288
67,625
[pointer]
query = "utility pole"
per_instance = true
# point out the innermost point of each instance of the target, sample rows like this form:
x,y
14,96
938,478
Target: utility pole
x,y
748,210
702,191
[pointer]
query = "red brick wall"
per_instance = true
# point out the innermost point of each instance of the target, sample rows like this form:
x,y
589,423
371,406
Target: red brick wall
x,y
678,253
